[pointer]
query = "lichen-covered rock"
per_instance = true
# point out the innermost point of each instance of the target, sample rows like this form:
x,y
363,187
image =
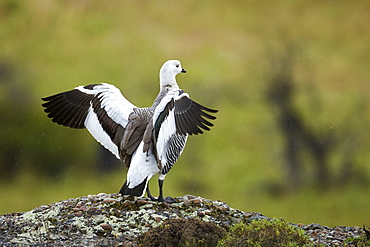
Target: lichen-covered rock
x,y
107,219
115,220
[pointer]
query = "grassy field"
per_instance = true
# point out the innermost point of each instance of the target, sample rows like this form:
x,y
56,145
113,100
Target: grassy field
x,y
231,51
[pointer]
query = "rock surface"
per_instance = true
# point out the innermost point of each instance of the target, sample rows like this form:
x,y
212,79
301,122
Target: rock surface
x,y
113,220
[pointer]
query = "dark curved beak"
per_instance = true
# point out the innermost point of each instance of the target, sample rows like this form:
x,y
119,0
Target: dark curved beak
x,y
183,71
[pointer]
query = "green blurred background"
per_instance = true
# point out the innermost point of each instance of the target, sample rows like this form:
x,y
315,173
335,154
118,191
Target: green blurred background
x,y
290,80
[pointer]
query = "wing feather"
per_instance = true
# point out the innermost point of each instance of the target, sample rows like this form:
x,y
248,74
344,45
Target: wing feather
x,y
192,114
101,108
176,117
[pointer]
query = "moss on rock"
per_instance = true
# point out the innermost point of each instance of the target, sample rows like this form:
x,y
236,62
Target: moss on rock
x,y
265,232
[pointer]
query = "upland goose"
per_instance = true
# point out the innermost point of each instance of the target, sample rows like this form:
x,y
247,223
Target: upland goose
x,y
147,140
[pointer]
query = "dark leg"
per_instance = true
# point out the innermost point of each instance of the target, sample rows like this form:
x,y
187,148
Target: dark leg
x,y
149,194
168,199
160,197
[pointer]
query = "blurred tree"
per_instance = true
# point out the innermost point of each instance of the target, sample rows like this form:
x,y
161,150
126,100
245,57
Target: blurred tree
x,y
304,144
24,141
8,151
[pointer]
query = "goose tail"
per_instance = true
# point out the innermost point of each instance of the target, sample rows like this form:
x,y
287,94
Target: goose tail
x,y
138,190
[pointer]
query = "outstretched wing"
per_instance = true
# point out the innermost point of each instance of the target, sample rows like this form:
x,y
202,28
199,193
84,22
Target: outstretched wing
x,y
176,117
101,108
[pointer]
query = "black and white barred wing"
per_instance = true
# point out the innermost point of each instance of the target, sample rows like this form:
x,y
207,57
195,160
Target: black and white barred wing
x,y
176,117
101,108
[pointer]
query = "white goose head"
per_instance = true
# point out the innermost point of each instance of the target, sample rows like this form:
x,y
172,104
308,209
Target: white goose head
x,y
168,72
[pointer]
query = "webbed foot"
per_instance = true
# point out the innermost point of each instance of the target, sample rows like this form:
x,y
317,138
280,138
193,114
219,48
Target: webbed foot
x,y
168,199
